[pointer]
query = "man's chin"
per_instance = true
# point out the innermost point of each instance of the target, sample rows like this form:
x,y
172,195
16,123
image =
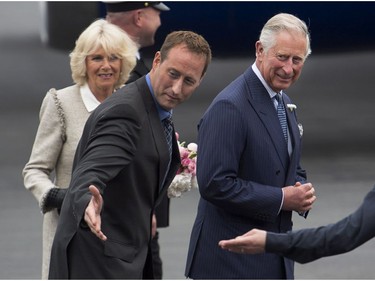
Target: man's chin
x,y
283,86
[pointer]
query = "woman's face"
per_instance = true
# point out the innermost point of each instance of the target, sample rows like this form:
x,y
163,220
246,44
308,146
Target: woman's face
x,y
103,71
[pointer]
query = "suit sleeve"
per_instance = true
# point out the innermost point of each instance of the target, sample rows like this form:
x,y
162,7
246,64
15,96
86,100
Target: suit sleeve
x,y
307,245
222,140
103,153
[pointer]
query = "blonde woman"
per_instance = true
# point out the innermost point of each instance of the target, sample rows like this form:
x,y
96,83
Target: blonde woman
x,y
101,62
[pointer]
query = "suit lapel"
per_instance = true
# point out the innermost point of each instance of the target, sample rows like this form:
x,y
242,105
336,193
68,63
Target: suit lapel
x,y
159,138
156,127
295,138
175,162
263,105
292,123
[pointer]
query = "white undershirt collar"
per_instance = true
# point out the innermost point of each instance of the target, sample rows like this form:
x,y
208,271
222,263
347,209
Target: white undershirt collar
x,y
271,92
88,98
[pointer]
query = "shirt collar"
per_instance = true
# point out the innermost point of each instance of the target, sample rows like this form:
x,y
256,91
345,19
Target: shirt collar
x,y
88,98
271,92
162,112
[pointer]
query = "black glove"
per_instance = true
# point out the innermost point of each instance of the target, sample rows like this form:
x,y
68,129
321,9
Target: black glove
x,y
53,199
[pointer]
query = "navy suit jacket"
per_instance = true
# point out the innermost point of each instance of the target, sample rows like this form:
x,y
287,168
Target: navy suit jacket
x,y
307,245
243,163
123,151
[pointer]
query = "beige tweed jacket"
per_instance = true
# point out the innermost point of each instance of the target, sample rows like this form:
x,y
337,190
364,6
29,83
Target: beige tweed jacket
x,y
62,118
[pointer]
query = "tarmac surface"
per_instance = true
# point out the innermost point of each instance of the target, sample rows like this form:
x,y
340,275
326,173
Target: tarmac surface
x,y
335,103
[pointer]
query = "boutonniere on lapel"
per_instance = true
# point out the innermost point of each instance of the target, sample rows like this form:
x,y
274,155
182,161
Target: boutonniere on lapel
x,y
291,106
300,127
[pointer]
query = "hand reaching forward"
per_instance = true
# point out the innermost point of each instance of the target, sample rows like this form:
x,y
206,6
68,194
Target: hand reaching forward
x,y
299,197
252,242
92,213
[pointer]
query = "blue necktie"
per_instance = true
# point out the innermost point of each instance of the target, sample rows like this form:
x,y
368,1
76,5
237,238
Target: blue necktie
x,y
282,116
168,130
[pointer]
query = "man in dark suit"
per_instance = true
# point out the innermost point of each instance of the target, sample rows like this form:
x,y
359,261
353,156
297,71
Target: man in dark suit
x,y
310,244
248,170
141,20
123,167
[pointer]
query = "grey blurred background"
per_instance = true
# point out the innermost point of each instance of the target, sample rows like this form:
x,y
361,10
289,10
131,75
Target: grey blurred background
x,y
335,105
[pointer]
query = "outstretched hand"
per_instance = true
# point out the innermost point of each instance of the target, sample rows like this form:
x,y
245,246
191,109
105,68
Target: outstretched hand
x,y
252,242
92,213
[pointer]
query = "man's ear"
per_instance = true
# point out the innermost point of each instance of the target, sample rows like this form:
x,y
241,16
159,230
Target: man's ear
x,y
137,16
258,48
157,59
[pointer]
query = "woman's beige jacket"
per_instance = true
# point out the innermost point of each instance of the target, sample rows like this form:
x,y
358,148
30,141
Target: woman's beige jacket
x,y
62,118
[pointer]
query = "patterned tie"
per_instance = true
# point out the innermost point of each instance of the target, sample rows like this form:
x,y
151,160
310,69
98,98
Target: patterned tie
x,y
282,116
168,130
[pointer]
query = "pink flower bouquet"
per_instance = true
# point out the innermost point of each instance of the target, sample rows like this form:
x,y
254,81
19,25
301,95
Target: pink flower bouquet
x,y
185,178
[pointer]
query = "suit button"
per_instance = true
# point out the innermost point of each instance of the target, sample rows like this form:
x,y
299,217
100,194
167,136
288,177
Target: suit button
x,y
277,172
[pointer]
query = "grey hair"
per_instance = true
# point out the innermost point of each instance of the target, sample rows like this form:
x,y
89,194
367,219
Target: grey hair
x,y
283,22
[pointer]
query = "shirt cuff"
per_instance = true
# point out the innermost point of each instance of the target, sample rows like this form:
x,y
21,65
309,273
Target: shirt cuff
x,y
282,201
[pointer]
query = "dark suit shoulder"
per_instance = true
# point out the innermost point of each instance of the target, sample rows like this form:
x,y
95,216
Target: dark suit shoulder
x,y
130,99
139,70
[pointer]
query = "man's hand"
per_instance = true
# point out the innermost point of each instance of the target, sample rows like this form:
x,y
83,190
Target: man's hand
x,y
154,226
92,213
252,242
299,197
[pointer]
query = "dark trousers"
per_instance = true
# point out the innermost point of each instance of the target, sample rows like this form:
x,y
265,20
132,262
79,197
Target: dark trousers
x,y
156,260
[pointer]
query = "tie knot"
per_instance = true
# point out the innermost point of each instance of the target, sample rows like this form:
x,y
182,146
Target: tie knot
x,y
278,97
167,121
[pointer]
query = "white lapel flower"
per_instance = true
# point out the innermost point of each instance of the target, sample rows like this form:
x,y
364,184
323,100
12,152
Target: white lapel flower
x,y
291,106
300,127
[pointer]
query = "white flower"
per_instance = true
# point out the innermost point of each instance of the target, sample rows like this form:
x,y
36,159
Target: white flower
x,y
182,183
300,128
192,147
291,106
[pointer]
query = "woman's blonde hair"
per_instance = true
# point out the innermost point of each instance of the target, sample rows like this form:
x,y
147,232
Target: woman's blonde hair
x,y
114,41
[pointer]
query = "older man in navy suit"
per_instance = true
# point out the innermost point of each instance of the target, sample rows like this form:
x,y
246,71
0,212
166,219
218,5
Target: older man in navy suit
x,y
248,168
